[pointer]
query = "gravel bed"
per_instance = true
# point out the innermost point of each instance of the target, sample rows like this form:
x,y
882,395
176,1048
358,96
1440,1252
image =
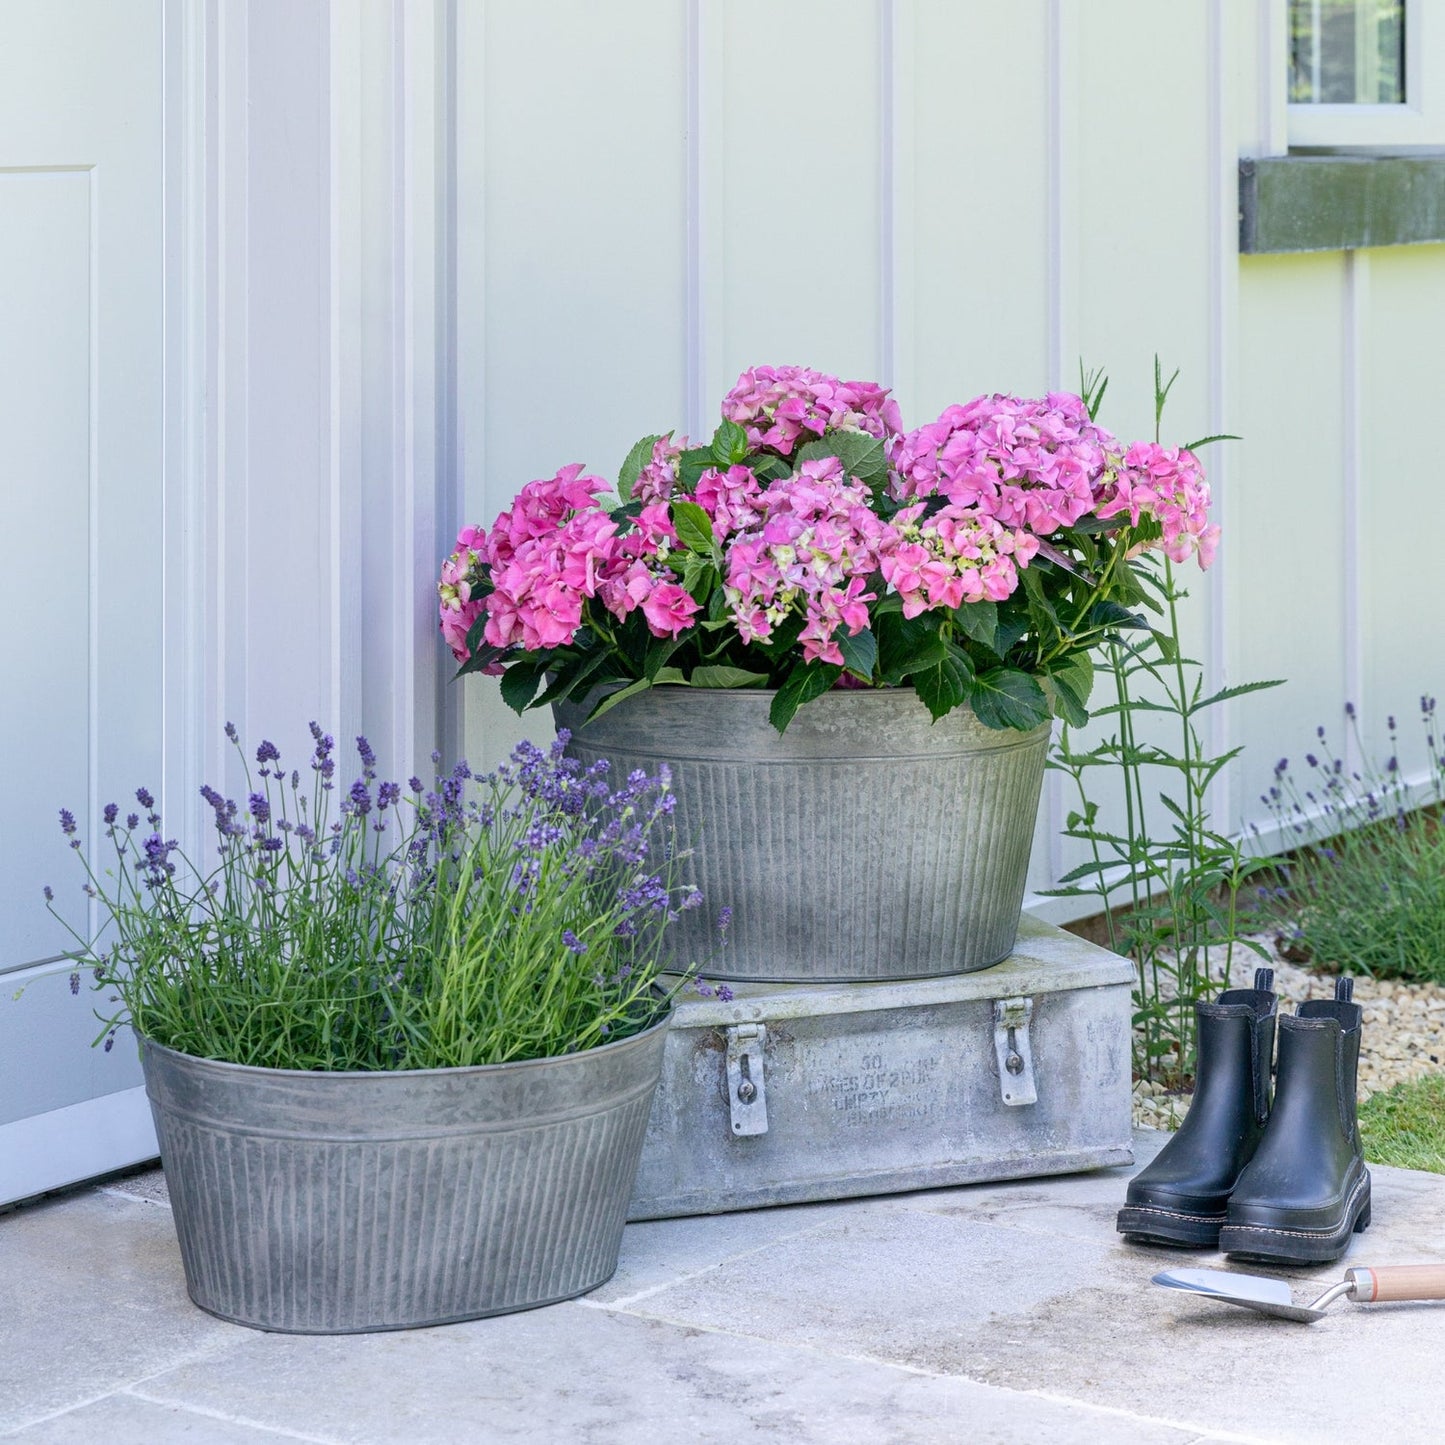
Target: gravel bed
x,y
1403,1036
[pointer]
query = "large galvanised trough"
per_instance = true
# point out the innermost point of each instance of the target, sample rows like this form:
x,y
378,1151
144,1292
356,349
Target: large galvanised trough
x,y
792,1092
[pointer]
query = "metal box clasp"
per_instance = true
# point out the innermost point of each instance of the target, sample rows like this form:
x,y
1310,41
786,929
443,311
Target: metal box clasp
x,y
747,1092
1011,1019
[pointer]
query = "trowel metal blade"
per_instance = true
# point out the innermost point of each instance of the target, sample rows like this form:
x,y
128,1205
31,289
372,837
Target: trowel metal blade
x,y
1250,1291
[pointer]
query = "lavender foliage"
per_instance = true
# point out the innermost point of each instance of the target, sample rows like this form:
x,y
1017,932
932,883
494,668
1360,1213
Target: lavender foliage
x,y
1362,885
472,920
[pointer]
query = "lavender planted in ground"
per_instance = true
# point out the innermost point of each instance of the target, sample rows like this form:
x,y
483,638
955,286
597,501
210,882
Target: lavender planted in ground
x,y
1364,886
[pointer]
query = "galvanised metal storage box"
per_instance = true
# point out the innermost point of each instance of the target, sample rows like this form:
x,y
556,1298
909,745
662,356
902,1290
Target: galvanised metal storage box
x,y
794,1092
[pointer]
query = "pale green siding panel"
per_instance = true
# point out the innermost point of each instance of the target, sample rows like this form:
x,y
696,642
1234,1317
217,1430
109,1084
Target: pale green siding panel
x,y
1287,557
1402,493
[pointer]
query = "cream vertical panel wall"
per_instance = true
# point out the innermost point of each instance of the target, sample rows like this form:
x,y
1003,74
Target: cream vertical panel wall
x,y
1288,543
951,197
571,259
309,379
456,244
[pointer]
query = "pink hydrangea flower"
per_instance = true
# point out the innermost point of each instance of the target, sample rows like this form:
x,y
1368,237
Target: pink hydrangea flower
x,y
622,592
958,555
549,551
540,508
810,551
780,405
669,610
459,575
732,499
1029,463
1167,484
657,481
980,490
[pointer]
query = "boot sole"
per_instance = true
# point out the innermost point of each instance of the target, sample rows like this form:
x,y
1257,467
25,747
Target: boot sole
x,y
1170,1226
1300,1246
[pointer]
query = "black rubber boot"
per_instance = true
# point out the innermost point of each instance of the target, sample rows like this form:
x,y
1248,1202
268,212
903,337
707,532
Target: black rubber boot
x,y
1181,1197
1307,1189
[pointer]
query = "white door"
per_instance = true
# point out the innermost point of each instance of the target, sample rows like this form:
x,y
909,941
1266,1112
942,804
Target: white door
x,y
81,599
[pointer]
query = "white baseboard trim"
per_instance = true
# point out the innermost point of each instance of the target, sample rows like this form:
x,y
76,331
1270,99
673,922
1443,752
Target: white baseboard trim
x,y
1263,839
67,1146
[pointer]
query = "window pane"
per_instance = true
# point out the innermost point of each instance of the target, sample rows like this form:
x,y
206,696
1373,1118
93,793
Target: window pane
x,y
1347,52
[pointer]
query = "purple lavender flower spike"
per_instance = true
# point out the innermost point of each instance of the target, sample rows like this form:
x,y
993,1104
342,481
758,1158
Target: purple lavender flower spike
x,y
232,733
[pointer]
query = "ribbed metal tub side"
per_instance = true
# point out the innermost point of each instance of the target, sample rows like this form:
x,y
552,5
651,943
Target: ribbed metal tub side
x,y
867,842
334,1203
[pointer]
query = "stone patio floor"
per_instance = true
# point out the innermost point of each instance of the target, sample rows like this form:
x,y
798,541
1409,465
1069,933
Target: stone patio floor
x,y
997,1312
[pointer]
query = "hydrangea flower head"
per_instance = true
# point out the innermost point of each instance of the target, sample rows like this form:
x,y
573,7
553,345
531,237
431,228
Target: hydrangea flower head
x,y
1167,484
1029,463
781,406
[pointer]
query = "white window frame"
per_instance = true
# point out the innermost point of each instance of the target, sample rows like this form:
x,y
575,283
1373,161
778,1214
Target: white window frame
x,y
1418,123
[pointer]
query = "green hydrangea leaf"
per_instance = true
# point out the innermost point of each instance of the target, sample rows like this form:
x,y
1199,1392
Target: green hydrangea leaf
x,y
632,465
1003,697
806,681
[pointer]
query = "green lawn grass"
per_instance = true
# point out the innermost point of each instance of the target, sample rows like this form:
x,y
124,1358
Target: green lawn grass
x,y
1405,1126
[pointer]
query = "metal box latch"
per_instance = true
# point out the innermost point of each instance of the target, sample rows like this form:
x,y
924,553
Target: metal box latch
x,y
1011,1019
747,1094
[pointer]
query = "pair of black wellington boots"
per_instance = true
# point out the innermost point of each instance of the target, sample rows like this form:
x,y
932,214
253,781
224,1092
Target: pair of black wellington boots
x,y
1283,1182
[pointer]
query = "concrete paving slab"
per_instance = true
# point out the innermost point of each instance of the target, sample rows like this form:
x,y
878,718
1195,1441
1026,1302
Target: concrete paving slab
x,y
997,1312
1098,1186
660,1252
1070,1312
127,1419
574,1373
92,1297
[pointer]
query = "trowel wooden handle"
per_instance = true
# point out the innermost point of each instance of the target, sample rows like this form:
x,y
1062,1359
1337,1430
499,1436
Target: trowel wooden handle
x,y
1397,1282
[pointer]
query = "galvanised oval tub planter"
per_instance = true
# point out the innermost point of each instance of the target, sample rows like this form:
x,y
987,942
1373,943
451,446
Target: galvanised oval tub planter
x,y
865,842
330,1203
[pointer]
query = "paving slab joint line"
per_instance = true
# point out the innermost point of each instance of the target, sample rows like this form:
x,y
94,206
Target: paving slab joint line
x,y
1233,1437
1192,1428
208,1413
628,1300
206,1352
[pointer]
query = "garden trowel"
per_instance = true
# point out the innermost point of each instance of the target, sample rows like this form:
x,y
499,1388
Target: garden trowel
x,y
1272,1296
